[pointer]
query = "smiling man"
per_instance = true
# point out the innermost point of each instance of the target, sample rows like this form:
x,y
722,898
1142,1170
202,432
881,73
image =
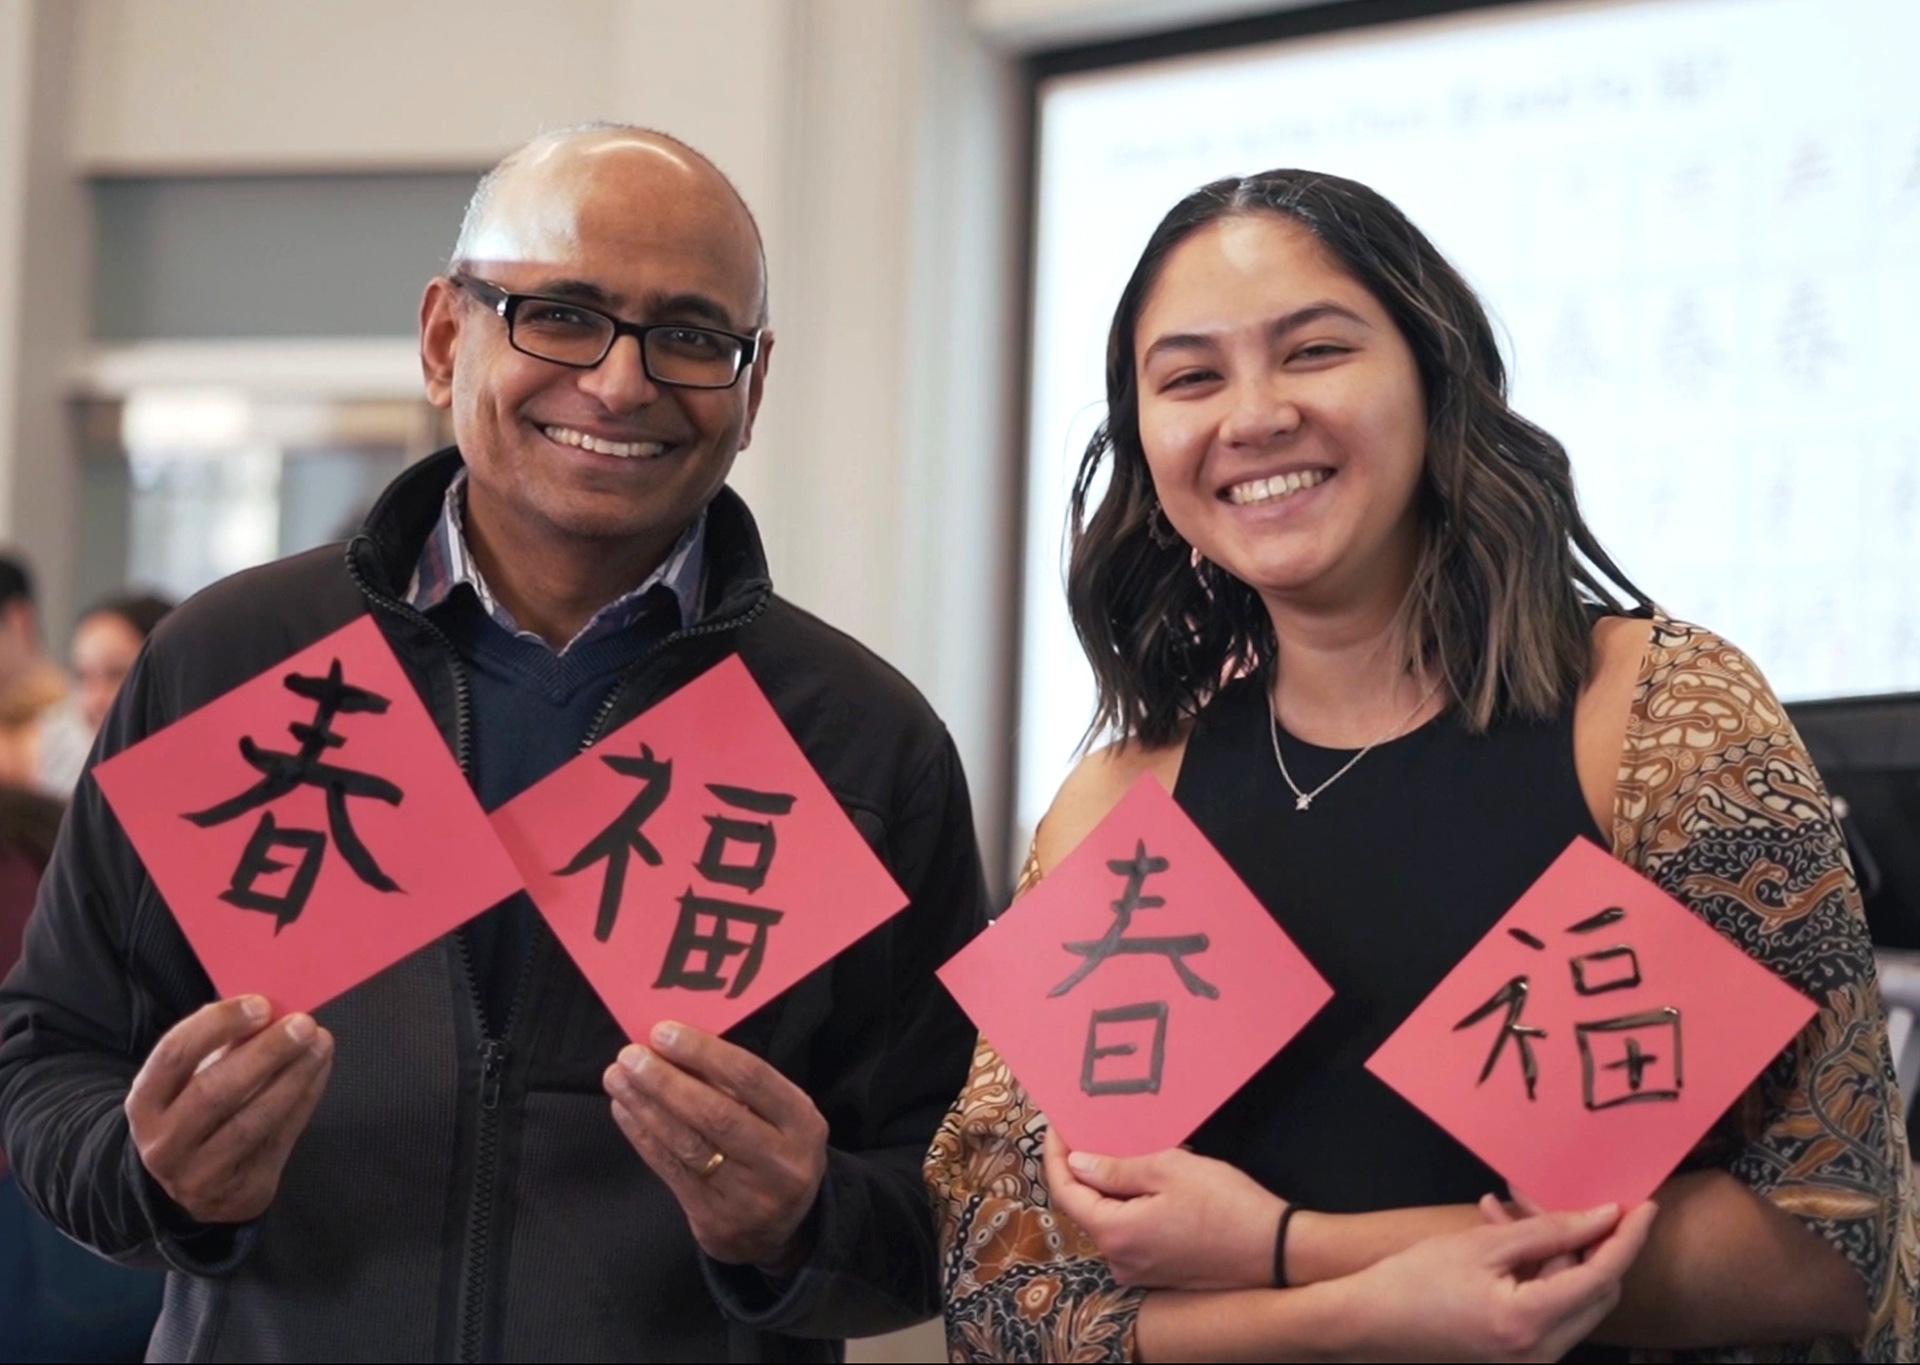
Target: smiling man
x,y
463,1157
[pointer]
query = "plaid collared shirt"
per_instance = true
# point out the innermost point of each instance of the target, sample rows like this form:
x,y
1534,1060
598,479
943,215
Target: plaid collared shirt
x,y
446,563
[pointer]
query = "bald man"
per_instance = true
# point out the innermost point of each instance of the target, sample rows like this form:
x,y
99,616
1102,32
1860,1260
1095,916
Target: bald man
x,y
464,1157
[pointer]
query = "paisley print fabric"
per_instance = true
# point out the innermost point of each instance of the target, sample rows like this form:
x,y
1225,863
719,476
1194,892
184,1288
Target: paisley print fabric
x,y
1719,805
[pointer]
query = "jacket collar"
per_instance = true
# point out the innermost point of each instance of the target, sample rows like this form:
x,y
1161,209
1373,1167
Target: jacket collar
x,y
387,548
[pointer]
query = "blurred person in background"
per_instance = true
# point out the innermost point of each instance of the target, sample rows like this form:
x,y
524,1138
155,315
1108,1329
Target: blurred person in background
x,y
34,689
58,1301
465,1156
105,643
19,619
26,701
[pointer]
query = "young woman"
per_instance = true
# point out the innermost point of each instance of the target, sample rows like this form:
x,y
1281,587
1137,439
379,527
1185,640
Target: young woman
x,y
1340,599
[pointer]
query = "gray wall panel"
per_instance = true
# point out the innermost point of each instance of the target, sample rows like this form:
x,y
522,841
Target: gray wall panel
x,y
269,256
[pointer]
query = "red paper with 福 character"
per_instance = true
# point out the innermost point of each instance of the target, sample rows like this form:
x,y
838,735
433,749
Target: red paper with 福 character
x,y
692,862
1592,1037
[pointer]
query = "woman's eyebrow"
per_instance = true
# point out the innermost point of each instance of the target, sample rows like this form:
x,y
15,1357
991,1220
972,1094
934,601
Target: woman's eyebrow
x,y
1279,327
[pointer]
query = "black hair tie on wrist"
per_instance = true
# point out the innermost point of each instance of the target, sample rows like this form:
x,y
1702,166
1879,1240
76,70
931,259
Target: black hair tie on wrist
x,y
1280,1246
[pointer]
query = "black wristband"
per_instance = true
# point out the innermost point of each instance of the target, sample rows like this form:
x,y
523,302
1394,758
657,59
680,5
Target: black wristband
x,y
1280,1246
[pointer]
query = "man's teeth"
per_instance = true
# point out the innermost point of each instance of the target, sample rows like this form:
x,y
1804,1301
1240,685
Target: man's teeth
x,y
625,450
1279,486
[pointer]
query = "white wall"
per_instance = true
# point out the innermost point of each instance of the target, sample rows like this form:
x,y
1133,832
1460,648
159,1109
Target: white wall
x,y
44,258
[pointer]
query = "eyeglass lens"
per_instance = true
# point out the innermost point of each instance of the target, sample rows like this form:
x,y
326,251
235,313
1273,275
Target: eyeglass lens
x,y
692,356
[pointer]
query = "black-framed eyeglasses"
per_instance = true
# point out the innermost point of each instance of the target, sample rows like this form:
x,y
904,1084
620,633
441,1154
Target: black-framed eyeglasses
x,y
569,333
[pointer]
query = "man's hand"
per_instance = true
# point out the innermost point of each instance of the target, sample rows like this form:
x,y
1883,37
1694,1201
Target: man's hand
x,y
216,1109
692,1097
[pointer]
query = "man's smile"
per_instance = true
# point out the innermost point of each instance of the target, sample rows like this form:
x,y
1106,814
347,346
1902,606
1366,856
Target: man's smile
x,y
624,450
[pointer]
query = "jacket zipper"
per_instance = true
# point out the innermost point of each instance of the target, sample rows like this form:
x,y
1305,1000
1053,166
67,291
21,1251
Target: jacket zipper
x,y
632,670
494,1050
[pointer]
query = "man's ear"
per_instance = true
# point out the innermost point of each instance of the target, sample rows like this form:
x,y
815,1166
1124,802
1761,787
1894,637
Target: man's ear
x,y
439,339
757,385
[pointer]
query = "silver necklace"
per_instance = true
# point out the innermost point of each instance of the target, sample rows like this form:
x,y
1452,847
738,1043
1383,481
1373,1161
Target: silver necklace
x,y
1302,800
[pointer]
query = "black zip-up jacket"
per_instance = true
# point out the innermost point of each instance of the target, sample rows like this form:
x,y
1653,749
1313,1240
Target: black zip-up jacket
x,y
461,1197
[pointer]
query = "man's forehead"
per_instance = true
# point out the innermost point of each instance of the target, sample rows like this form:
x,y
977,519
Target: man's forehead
x,y
629,216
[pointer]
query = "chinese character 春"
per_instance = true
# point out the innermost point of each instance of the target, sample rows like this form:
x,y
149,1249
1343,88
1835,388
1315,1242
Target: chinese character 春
x,y
620,840
1097,1050
1173,947
703,938
281,773
1115,941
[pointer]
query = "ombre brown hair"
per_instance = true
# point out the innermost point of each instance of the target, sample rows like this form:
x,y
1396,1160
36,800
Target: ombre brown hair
x,y
1508,573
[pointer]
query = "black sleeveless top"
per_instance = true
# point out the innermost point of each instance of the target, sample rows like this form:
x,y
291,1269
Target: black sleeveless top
x,y
1396,871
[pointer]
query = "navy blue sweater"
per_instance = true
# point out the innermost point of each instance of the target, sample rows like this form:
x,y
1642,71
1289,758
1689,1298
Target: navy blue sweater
x,y
531,712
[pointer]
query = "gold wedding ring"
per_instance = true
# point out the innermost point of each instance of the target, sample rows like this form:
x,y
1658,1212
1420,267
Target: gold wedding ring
x,y
714,1163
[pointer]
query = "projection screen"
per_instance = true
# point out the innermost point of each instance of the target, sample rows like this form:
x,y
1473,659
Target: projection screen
x,y
1697,225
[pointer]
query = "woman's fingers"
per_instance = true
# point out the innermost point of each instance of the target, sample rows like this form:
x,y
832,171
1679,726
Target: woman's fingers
x,y
1079,1202
1532,1240
1619,1251
1122,1177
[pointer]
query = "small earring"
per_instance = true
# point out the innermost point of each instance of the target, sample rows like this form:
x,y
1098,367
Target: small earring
x,y
1166,539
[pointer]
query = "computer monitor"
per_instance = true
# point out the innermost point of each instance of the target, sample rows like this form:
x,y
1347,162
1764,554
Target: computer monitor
x,y
1868,750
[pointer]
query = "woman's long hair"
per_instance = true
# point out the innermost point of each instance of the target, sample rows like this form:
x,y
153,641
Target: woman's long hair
x,y
1507,567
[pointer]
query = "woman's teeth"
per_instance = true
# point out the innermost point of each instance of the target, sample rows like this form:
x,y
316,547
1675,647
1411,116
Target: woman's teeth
x,y
625,450
1277,487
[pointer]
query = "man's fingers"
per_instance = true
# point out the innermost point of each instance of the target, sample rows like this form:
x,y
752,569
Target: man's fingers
x,y
686,1186
724,1121
686,1145
175,1058
219,1092
734,1070
1493,1211
262,1132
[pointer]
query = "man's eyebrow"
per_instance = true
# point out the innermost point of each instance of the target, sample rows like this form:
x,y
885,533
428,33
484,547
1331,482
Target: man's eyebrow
x,y
691,305
580,291
1279,327
657,306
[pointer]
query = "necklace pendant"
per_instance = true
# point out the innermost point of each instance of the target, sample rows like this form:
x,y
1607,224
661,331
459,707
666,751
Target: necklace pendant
x,y
1302,801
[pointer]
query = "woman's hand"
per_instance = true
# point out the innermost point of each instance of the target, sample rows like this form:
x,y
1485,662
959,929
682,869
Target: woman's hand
x,y
1492,1293
1171,1220
1499,1214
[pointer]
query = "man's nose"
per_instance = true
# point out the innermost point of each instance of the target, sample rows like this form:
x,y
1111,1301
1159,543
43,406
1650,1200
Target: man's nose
x,y
620,380
1263,411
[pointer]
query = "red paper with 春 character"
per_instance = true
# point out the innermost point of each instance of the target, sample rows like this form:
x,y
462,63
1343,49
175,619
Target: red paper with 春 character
x,y
309,828
692,862
1138,985
1592,1037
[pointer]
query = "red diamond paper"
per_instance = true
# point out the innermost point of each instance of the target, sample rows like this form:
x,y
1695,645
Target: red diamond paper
x,y
1651,1026
262,884
1099,1001
740,872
